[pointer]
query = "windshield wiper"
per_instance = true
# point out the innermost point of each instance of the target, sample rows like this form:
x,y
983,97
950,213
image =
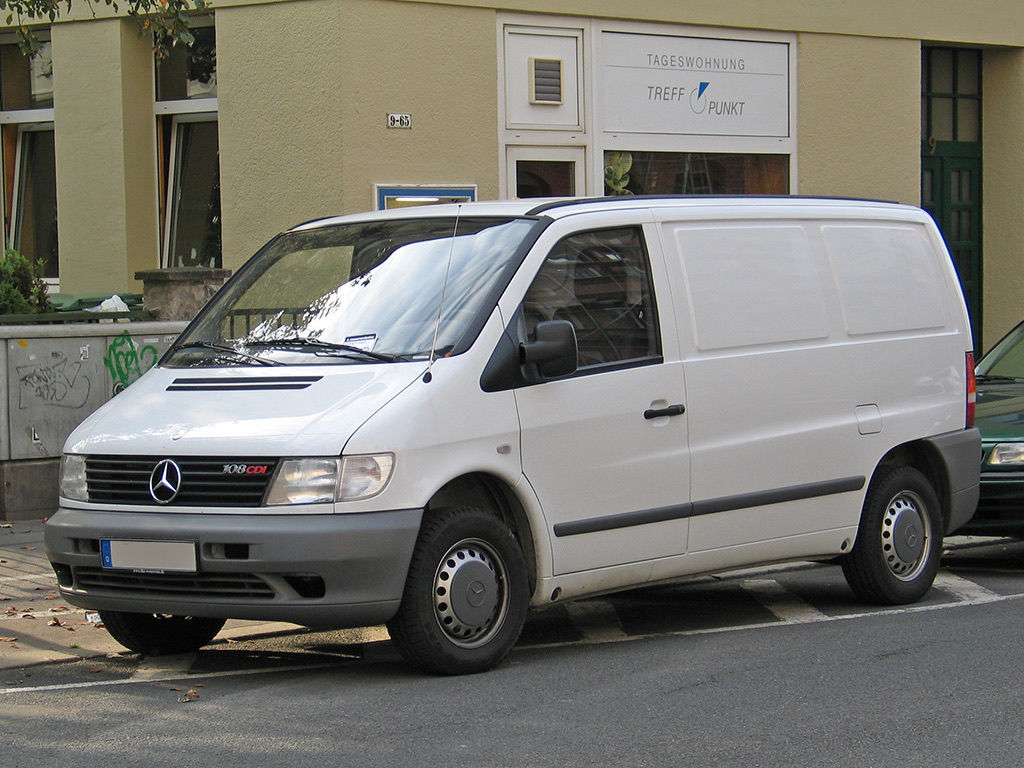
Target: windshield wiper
x,y
343,350
226,350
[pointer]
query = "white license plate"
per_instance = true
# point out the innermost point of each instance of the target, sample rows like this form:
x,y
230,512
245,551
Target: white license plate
x,y
150,556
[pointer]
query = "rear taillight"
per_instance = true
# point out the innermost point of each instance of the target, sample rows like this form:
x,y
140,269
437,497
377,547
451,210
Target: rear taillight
x,y
972,390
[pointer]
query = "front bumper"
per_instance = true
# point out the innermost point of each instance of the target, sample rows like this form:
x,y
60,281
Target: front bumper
x,y
343,570
1000,509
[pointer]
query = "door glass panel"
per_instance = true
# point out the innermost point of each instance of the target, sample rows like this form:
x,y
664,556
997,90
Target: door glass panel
x,y
194,239
545,178
36,218
598,281
927,187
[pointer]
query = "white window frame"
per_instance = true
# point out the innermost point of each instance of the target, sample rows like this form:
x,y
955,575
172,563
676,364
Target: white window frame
x,y
593,136
180,117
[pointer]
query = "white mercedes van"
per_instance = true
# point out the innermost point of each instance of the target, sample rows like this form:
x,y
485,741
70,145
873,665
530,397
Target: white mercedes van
x,y
437,417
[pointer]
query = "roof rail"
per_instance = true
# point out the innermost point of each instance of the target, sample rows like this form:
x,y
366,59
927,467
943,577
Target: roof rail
x,y
609,199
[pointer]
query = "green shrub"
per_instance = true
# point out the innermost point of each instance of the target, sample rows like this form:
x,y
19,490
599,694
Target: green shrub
x,y
22,290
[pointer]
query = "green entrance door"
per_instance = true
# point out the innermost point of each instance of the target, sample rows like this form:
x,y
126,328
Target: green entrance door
x,y
951,161
951,193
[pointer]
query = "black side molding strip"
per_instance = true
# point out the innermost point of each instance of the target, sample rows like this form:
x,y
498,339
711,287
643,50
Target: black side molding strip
x,y
710,506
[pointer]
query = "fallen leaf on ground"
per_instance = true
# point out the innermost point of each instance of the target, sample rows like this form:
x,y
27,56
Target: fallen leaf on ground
x,y
190,695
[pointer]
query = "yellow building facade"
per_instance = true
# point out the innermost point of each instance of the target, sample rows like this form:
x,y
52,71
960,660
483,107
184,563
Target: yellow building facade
x,y
293,109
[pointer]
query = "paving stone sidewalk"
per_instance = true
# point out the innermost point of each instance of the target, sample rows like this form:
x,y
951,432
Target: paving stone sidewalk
x,y
37,626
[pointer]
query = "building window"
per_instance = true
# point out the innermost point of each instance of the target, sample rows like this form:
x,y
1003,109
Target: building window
x,y
29,167
695,173
190,168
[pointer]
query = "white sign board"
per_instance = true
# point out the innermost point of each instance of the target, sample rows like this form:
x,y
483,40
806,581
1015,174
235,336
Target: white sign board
x,y
694,85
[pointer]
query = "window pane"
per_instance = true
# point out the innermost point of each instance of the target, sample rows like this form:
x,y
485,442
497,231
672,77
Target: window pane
x,y
968,120
545,178
942,119
598,281
968,67
36,221
27,82
195,195
676,173
941,60
189,73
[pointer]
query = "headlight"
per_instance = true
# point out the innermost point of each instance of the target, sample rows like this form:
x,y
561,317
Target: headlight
x,y
364,476
1004,454
305,481
325,480
72,477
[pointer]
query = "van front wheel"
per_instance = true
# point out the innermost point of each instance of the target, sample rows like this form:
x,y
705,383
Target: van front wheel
x,y
466,594
899,541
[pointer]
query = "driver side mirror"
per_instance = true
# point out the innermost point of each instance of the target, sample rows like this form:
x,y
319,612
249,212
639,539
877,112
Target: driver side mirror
x,y
554,352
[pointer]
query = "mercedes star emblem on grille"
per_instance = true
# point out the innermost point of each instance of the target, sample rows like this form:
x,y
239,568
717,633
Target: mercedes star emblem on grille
x,y
165,481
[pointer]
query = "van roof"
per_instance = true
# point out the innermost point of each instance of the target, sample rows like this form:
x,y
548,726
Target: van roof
x,y
558,207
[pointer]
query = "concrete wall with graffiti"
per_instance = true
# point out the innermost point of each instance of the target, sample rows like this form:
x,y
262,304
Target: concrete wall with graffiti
x,y
58,375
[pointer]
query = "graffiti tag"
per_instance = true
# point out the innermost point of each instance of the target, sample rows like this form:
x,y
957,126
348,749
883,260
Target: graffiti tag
x,y
127,361
56,384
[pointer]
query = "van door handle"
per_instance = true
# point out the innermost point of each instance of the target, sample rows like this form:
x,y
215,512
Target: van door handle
x,y
672,410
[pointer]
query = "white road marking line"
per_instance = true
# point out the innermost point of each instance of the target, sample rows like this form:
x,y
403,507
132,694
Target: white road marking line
x,y
596,619
963,589
166,679
35,577
784,604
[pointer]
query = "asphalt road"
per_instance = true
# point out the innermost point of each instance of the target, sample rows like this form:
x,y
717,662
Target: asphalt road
x,y
777,667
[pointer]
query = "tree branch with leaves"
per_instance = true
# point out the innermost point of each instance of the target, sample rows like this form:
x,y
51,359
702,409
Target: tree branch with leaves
x,y
166,20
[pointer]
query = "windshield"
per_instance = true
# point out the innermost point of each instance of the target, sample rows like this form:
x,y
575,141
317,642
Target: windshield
x,y
1006,359
358,292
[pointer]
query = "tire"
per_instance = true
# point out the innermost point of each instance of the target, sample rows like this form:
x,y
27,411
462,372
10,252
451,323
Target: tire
x,y
465,597
899,542
156,634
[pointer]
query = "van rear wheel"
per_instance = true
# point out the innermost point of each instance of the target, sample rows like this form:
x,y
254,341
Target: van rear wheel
x,y
466,594
899,541
156,634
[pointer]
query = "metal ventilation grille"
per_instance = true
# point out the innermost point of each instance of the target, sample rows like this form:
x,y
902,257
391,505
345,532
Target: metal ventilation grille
x,y
235,586
242,384
204,481
545,81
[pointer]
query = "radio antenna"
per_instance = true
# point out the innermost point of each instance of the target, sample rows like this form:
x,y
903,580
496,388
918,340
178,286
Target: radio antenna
x,y
444,289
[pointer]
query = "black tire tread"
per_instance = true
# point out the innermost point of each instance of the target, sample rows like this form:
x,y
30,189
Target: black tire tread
x,y
414,630
866,573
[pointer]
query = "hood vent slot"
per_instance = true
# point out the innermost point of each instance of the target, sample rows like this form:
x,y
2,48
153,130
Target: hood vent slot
x,y
242,383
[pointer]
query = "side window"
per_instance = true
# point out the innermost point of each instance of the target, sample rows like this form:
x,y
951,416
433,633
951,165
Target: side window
x,y
600,282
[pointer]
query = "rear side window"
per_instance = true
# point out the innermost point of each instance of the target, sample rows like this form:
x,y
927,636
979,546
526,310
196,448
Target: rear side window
x,y
600,282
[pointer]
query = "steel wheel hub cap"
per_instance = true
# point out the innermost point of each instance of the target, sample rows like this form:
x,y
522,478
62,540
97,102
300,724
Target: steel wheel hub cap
x,y
469,593
905,536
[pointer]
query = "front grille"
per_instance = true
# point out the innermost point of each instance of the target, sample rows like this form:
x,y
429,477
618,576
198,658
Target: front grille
x,y
234,586
204,482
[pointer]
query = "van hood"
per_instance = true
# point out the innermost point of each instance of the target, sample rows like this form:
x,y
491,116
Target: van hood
x,y
305,411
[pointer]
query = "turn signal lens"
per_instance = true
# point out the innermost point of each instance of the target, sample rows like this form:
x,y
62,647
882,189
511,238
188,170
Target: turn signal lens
x,y
364,476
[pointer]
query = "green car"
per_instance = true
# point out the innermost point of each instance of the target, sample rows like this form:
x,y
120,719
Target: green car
x,y
1000,417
